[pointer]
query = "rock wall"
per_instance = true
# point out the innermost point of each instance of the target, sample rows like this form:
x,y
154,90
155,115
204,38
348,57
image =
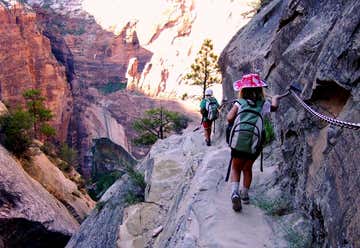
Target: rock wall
x,y
27,62
314,43
101,228
78,202
29,215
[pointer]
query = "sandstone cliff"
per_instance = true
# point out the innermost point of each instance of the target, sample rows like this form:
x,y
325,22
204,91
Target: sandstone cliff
x,y
29,215
27,62
315,43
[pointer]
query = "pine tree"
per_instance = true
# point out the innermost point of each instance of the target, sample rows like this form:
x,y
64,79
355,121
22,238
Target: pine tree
x,y
40,114
156,124
205,70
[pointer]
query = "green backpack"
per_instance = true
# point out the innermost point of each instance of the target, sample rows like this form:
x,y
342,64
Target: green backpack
x,y
212,109
247,133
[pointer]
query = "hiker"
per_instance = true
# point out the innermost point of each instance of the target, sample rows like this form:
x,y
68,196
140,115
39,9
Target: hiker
x,y
247,133
209,111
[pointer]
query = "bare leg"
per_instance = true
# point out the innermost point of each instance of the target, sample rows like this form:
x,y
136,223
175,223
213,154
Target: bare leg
x,y
236,167
207,133
247,171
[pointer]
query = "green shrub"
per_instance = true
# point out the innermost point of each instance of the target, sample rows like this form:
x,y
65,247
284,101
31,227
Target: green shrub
x,y
64,166
69,155
136,177
275,207
131,198
269,131
145,139
16,131
47,130
102,183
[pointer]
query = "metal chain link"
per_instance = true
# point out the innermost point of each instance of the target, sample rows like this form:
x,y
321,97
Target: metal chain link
x,y
327,119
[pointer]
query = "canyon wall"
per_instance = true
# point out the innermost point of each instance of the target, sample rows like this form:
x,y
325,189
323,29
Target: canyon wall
x,y
316,44
27,63
102,47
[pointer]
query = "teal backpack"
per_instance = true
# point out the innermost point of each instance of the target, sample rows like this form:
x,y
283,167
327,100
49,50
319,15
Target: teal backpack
x,y
212,109
247,133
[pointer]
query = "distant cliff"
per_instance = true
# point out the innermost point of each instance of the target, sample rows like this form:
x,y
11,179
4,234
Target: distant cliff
x,y
27,62
314,43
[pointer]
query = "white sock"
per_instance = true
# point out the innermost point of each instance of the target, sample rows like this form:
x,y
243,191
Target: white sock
x,y
235,187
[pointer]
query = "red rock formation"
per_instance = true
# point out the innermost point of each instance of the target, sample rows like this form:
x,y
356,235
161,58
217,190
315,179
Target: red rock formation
x,y
26,62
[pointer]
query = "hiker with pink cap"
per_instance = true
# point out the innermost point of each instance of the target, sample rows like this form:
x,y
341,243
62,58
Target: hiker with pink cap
x,y
246,135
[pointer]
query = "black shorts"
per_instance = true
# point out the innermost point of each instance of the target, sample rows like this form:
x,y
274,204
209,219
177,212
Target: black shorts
x,y
243,155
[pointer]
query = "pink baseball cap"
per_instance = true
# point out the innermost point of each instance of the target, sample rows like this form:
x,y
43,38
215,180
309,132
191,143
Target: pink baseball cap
x,y
249,81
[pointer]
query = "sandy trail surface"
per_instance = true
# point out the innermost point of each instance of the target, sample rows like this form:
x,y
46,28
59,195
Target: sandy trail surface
x,y
214,223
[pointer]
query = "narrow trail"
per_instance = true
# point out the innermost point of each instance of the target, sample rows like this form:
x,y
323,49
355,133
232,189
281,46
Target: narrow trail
x,y
213,221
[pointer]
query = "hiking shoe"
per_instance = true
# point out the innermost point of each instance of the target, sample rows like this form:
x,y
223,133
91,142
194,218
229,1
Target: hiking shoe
x,y
245,198
236,202
208,142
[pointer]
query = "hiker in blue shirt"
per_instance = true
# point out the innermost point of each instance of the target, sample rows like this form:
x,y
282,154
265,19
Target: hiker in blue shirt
x,y
247,133
209,111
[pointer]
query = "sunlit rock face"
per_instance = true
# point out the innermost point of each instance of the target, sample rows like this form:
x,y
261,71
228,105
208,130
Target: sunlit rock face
x,y
26,62
173,31
314,43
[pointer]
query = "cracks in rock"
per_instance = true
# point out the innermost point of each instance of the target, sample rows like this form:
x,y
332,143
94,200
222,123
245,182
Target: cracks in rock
x,y
157,204
319,233
271,69
285,22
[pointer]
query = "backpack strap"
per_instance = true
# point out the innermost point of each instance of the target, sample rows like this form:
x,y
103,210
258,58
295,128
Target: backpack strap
x,y
261,161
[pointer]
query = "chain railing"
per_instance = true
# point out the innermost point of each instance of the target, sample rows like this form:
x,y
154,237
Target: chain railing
x,y
322,117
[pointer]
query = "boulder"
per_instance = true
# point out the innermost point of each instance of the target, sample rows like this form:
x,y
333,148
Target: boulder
x,y
30,215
